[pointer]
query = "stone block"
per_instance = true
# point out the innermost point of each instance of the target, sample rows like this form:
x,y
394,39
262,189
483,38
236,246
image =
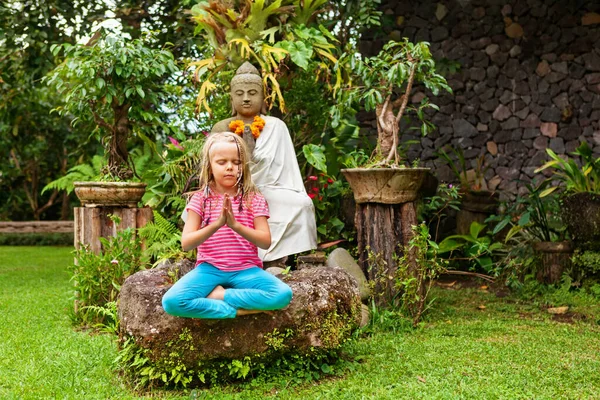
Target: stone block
x,y
551,114
557,144
501,113
549,129
531,121
462,128
341,258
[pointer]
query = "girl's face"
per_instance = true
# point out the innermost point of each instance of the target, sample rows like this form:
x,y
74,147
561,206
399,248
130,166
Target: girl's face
x,y
226,166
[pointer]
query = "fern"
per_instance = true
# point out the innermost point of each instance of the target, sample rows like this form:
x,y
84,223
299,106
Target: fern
x,y
108,316
163,239
82,172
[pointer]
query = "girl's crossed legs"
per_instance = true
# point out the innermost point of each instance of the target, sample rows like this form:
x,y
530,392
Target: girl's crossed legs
x,y
250,289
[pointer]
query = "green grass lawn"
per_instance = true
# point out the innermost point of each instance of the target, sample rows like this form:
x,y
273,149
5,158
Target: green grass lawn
x,y
472,345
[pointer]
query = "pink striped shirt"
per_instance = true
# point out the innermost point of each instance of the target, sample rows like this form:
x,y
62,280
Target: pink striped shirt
x,y
226,249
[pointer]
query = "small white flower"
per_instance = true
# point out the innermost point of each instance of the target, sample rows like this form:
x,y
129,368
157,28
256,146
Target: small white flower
x,y
114,261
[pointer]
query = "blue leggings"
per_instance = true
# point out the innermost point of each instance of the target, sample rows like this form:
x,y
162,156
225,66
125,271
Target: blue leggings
x,y
250,289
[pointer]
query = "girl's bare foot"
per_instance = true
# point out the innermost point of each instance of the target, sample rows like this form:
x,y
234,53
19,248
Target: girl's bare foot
x,y
218,293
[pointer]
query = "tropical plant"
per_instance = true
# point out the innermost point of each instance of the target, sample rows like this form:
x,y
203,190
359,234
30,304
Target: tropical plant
x,y
278,36
536,216
437,207
417,272
162,238
326,193
476,182
118,85
384,83
97,278
575,179
476,248
173,176
81,172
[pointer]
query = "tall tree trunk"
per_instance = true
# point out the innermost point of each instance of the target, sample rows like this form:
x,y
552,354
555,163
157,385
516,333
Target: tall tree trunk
x,y
383,230
118,159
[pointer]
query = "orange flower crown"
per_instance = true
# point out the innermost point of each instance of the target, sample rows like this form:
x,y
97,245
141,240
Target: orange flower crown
x,y
256,128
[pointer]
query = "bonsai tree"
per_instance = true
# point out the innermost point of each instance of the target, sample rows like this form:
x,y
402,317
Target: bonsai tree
x,y
384,83
116,84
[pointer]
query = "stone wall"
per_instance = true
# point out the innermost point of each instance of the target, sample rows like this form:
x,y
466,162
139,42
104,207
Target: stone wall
x,y
528,79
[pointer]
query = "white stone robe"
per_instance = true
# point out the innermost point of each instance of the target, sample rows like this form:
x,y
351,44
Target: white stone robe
x,y
276,173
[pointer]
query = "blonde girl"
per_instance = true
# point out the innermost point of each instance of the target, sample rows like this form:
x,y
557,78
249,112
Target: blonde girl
x,y
226,222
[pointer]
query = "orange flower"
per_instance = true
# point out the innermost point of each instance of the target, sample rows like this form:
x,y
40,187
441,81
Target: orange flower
x,y
256,128
255,131
259,122
237,127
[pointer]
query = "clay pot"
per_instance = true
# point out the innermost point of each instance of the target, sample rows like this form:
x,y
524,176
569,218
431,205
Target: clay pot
x,y
555,258
110,194
385,185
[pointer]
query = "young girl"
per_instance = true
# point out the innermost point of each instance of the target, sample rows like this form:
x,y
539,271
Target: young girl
x,y
227,220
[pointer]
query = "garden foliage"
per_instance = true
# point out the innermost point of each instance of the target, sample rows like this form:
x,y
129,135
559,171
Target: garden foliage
x,y
97,278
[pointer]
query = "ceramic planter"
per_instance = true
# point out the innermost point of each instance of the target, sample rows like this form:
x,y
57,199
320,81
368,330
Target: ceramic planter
x,y
385,185
110,194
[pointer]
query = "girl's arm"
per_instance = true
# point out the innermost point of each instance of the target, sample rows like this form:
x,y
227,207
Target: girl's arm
x,y
260,235
192,237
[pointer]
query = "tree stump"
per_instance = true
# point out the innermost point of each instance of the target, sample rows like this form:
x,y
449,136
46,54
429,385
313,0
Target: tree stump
x,y
92,223
383,231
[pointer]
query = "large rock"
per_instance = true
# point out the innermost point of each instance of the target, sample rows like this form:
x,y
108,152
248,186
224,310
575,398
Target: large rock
x,y
342,259
324,311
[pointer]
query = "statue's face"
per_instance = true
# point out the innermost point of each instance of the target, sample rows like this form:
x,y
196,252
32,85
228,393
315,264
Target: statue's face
x,y
247,99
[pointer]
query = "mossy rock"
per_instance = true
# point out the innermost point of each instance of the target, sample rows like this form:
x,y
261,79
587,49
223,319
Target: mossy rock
x,y
324,311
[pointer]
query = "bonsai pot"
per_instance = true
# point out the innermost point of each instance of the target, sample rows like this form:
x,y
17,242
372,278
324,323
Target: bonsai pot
x,y
110,194
476,206
555,258
581,213
385,185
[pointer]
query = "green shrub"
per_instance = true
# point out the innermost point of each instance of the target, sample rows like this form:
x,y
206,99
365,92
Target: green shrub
x,y
36,239
170,371
585,264
97,278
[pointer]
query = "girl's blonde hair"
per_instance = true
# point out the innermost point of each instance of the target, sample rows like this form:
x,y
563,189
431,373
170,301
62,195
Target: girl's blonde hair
x,y
246,187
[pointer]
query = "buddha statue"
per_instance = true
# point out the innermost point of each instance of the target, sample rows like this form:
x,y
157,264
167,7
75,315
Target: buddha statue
x,y
274,167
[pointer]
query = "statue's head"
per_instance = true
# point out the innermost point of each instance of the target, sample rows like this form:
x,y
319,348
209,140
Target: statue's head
x,y
247,94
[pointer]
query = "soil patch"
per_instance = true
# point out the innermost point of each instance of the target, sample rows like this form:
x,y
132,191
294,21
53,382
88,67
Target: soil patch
x,y
456,282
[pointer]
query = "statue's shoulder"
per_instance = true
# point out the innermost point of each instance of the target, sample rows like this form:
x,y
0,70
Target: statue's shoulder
x,y
222,126
273,120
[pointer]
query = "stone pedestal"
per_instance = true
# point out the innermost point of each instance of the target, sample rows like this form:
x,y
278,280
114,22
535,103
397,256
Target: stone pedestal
x,y
92,223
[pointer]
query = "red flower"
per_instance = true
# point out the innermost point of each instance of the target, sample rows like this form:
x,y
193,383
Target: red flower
x,y
325,186
175,143
329,180
312,195
315,189
312,178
